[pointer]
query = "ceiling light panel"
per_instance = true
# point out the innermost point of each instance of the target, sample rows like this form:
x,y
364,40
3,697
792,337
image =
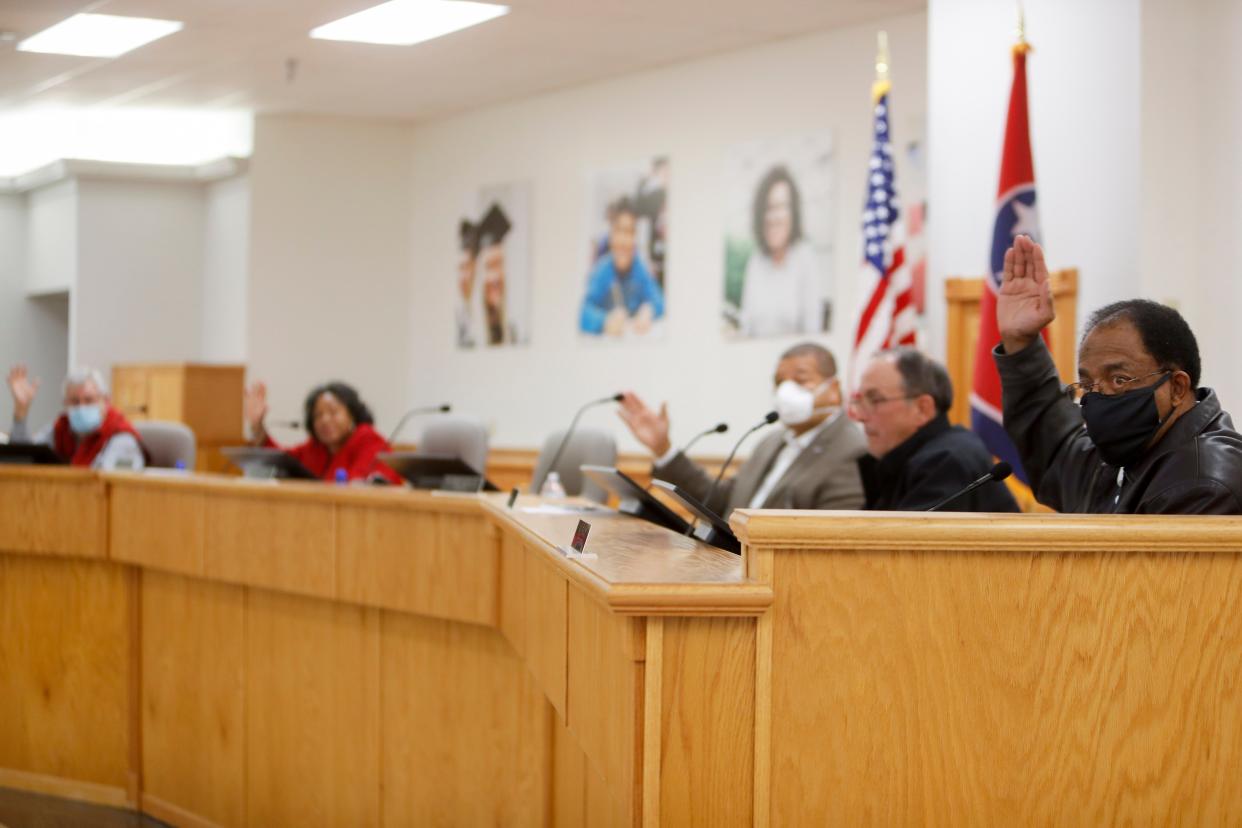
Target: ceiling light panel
x,y
405,22
98,35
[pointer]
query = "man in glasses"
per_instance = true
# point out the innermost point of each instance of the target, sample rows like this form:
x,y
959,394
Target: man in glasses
x,y
917,458
1154,442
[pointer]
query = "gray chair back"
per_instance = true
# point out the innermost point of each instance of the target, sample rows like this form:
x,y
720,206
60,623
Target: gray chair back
x,y
464,437
587,447
167,443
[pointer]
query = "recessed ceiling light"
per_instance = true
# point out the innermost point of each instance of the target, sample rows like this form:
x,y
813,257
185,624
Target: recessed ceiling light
x,y
98,35
405,22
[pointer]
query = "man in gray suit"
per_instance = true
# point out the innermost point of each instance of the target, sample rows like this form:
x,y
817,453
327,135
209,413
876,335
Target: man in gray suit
x,y
810,463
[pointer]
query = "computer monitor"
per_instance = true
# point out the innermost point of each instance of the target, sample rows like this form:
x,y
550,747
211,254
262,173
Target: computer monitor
x,y
437,471
29,454
635,500
711,528
266,463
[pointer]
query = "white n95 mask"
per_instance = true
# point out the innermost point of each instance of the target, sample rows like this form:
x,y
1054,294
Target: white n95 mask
x,y
795,404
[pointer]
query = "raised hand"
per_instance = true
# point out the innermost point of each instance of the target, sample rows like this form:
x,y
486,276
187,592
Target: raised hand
x,y
254,408
23,387
1024,301
648,427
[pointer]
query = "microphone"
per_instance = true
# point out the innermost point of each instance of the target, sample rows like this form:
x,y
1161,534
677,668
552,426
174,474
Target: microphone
x,y
998,473
285,423
535,487
444,408
768,419
718,428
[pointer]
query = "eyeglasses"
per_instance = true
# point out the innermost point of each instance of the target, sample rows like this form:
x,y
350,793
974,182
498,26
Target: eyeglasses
x,y
867,404
1116,384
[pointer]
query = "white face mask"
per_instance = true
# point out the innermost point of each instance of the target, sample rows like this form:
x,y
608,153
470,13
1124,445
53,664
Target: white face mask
x,y
796,404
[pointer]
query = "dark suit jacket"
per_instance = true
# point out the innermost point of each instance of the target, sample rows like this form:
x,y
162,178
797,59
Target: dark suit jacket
x,y
824,476
933,463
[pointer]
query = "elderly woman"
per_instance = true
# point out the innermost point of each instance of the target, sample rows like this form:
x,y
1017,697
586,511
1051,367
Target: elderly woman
x,y
781,291
89,432
342,434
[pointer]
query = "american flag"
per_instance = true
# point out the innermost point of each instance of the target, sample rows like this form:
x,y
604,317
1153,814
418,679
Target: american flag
x,y
888,318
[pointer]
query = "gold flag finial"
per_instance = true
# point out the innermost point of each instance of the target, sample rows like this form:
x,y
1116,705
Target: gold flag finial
x,y
882,84
1021,46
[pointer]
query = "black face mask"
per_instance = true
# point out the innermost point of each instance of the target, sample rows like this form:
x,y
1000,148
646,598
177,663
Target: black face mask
x,y
1121,425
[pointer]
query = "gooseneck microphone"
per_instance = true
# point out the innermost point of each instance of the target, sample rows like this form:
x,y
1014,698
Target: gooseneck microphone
x,y
998,473
536,486
443,408
767,420
718,428
284,423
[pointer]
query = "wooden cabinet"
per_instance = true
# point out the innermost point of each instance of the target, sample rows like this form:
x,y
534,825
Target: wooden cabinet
x,y
207,398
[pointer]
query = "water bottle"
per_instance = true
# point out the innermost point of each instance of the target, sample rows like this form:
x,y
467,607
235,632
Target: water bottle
x,y
552,486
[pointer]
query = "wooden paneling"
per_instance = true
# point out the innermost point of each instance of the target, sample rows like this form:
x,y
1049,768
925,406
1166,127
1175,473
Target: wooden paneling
x,y
513,591
65,670
546,608
193,696
161,527
569,770
269,542
441,565
312,677
605,694
466,738
213,401
707,721
52,511
1006,688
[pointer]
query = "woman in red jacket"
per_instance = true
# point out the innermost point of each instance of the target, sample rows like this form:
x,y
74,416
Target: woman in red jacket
x,y
341,429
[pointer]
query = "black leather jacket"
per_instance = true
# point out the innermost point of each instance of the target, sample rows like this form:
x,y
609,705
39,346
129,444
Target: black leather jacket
x,y
1195,468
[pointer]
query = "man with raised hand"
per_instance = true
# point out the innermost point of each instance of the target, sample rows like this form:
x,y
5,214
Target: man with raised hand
x,y
1136,433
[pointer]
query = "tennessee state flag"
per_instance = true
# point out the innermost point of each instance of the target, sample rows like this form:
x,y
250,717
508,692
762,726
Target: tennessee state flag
x,y
1016,214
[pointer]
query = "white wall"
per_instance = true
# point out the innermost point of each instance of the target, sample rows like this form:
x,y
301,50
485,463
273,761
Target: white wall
x,y
140,270
51,238
226,270
1218,196
32,330
695,113
1083,85
330,260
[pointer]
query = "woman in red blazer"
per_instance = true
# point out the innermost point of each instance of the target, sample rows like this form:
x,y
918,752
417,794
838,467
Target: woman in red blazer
x,y
341,429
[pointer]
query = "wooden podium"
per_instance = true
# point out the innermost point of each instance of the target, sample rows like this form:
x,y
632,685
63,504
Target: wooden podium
x,y
216,651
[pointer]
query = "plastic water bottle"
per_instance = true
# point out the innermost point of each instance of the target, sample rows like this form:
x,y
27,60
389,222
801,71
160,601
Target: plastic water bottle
x,y
342,477
552,486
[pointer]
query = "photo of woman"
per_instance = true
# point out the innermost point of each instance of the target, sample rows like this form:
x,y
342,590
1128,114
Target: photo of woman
x,y
777,262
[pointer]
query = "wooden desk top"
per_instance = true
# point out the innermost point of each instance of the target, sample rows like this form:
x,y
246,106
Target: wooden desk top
x,y
957,531
639,567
